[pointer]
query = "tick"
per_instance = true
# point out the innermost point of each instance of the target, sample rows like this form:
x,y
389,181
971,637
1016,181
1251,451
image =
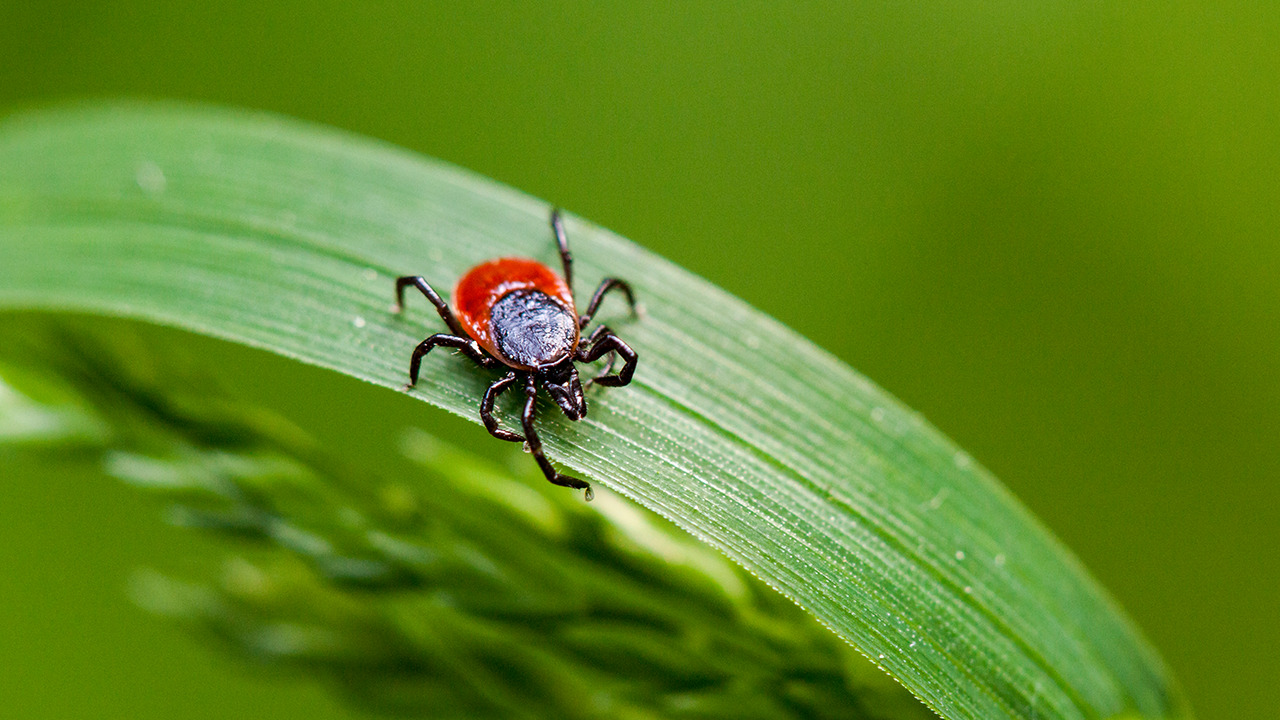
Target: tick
x,y
517,313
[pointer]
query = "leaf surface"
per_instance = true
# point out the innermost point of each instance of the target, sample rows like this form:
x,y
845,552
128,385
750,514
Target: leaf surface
x,y
287,237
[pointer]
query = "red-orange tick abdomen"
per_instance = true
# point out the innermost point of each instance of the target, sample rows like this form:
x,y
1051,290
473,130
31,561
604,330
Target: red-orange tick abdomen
x,y
484,285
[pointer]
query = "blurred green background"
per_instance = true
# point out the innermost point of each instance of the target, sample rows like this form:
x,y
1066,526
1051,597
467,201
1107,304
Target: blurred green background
x,y
1051,228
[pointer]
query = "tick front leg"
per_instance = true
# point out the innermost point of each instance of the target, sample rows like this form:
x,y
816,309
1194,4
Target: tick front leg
x,y
486,409
606,285
535,445
441,306
468,347
602,341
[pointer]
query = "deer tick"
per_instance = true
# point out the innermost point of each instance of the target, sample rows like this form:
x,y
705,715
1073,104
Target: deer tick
x,y
517,313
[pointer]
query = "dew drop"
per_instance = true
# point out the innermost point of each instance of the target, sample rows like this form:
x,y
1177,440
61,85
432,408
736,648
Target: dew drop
x,y
150,178
936,501
358,321
960,555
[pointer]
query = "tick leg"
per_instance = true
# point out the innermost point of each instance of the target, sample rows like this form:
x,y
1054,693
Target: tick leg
x,y
535,445
566,259
613,356
466,345
486,409
606,286
441,306
602,341
608,368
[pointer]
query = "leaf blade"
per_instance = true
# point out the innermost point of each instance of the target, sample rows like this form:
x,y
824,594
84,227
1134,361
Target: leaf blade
x,y
285,236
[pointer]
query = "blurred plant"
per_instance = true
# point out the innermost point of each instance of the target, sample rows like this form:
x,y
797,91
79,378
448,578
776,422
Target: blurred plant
x,y
463,590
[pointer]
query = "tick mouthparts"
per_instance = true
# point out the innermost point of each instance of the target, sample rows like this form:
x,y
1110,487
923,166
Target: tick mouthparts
x,y
573,406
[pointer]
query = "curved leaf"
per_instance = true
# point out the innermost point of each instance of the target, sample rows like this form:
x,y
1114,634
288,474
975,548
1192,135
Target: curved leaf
x,y
286,236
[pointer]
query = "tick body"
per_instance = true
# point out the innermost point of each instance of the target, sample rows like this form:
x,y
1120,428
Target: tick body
x,y
517,314
519,311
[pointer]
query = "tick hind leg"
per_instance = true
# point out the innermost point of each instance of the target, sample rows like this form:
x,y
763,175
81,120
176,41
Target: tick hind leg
x,y
535,444
468,347
486,408
604,341
606,286
566,261
562,241
441,306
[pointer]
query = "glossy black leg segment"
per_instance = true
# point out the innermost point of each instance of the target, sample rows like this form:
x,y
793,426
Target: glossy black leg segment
x,y
562,240
606,286
441,306
608,369
466,345
602,341
486,408
585,347
535,445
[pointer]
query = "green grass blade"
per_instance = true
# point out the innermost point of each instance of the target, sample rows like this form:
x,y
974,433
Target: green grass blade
x,y
285,236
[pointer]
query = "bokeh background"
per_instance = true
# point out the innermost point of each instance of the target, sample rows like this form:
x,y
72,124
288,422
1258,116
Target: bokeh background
x,y
1053,228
